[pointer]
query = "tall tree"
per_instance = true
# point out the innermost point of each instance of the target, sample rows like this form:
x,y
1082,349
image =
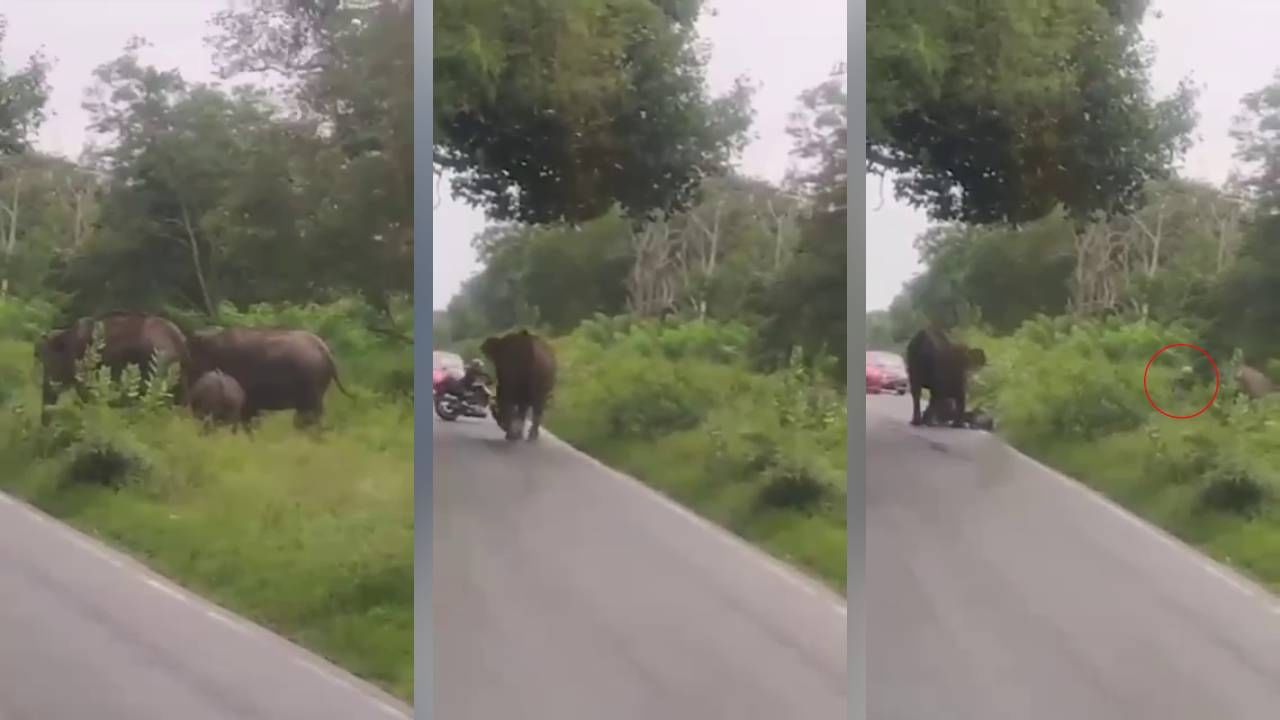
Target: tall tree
x,y
552,111
23,95
806,305
1001,111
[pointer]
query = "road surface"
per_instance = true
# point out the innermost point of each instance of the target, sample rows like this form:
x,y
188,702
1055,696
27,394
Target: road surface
x,y
997,588
87,633
565,591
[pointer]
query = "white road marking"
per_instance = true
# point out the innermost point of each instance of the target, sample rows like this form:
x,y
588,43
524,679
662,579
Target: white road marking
x,y
776,567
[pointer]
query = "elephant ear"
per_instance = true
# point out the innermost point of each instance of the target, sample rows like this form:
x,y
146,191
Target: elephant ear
x,y
489,347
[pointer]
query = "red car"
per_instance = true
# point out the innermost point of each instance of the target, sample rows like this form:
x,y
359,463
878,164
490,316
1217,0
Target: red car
x,y
886,372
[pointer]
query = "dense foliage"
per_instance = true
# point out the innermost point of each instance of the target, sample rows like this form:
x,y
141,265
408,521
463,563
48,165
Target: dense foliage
x,y
1000,111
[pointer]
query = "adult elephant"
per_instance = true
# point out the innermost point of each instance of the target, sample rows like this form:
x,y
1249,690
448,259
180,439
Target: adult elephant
x,y
525,366
277,369
129,338
942,367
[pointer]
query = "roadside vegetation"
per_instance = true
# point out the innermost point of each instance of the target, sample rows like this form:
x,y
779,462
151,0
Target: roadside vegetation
x,y
1071,292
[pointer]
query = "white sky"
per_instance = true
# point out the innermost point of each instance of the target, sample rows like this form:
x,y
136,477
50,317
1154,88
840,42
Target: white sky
x,y
785,48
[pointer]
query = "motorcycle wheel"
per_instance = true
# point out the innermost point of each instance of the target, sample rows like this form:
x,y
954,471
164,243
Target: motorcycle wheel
x,y
445,410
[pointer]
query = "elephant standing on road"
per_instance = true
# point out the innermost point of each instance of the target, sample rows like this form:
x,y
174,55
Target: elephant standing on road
x,y
129,339
525,366
277,369
943,367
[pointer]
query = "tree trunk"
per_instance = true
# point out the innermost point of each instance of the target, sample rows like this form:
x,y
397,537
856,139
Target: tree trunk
x,y
210,308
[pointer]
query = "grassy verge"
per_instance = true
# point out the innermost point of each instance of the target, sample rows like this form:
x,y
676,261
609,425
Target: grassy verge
x,y
1071,395
309,534
674,406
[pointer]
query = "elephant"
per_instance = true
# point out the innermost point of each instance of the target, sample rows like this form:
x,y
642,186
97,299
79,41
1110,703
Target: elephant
x,y
525,367
277,369
943,367
129,339
216,398
1255,384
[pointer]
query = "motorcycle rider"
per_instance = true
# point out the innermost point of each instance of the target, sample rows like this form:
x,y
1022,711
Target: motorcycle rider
x,y
471,377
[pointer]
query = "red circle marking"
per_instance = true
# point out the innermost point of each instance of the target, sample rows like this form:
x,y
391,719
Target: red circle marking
x,y
1217,381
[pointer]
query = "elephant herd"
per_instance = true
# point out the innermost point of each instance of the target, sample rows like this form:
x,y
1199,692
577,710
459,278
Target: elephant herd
x,y
226,376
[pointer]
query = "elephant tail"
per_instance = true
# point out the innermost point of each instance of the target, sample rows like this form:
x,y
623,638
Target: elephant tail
x,y
333,367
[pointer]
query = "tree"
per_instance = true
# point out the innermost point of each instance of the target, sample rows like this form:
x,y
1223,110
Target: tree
x,y
805,307
23,95
550,112
1002,111
347,69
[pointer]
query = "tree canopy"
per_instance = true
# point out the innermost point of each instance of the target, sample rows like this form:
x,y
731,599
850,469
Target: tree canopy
x,y
1002,111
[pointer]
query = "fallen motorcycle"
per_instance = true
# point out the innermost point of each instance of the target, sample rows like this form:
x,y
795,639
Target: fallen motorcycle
x,y
450,404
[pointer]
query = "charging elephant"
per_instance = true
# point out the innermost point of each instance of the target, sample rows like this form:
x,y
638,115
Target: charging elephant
x,y
525,366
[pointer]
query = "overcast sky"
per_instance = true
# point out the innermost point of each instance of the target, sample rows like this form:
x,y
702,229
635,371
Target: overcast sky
x,y
1227,46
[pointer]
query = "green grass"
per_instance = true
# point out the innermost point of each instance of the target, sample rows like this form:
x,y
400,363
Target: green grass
x,y
309,534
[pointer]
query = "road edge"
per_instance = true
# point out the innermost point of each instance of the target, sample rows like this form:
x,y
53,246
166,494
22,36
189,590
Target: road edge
x,y
778,567
391,705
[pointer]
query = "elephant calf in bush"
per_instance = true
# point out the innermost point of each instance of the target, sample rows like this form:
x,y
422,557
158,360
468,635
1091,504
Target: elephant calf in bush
x,y
216,398
1254,383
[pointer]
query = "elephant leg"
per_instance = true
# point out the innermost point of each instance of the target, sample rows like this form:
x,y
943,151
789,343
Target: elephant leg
x,y
915,403
536,421
957,420
931,410
516,429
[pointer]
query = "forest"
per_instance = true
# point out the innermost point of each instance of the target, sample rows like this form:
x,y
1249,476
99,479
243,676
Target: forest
x,y
1073,262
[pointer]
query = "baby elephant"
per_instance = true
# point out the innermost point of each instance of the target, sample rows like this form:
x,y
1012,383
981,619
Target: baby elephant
x,y
216,398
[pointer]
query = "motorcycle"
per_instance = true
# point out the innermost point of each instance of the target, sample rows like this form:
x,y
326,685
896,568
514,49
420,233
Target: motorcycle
x,y
450,405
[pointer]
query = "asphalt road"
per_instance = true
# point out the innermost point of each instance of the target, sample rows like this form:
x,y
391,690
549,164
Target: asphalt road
x,y
997,588
87,633
565,591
